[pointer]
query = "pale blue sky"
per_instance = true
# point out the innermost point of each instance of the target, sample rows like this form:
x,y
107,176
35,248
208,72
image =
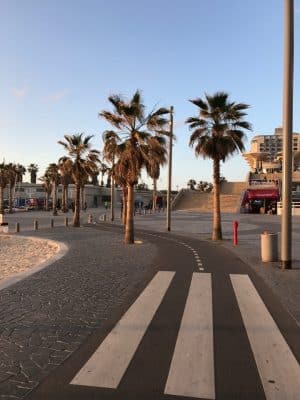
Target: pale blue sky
x,y
61,59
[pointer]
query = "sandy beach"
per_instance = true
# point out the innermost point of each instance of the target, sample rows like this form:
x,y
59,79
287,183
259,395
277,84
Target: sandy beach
x,y
19,253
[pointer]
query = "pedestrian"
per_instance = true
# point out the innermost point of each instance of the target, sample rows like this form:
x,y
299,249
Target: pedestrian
x,y
105,205
85,206
73,206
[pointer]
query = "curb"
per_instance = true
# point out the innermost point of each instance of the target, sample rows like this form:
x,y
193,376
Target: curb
x,y
62,251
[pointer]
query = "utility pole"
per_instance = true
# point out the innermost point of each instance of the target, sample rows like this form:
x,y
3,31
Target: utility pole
x,y
170,171
112,192
286,221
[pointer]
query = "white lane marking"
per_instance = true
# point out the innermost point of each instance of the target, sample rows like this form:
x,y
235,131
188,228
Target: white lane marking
x,y
278,368
192,369
201,269
108,364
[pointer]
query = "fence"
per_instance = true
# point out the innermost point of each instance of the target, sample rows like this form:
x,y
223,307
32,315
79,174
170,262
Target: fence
x,y
295,208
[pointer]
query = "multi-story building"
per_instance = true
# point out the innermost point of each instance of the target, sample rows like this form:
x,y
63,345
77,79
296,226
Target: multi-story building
x,y
265,154
265,161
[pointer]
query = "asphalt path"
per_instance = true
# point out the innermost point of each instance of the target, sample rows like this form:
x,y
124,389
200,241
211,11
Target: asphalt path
x,y
202,325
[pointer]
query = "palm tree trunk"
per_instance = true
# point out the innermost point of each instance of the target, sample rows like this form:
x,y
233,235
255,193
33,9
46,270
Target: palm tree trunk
x,y
1,204
66,194
217,229
10,199
54,199
46,201
129,228
82,197
76,219
124,204
63,200
112,200
154,194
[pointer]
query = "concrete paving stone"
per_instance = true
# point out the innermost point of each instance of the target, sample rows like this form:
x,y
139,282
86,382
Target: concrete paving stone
x,y
46,317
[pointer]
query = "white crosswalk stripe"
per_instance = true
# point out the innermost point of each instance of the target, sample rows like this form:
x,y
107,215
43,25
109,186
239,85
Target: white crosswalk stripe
x,y
110,361
192,369
278,369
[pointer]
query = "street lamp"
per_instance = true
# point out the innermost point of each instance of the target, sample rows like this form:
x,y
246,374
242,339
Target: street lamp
x,y
287,127
170,171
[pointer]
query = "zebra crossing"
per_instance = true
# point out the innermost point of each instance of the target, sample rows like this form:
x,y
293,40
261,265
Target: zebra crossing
x,y
192,368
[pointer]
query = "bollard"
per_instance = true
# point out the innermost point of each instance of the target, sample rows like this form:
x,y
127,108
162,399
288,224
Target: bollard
x,y
104,217
35,224
269,246
17,227
66,221
51,223
235,232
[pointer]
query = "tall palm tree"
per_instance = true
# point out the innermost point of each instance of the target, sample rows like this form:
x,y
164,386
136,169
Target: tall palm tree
x,y
119,179
111,141
32,169
132,132
3,183
103,170
21,170
64,167
157,157
12,174
191,184
83,163
53,173
217,133
47,186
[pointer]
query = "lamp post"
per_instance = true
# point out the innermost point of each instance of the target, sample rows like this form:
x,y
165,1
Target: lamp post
x,y
170,171
286,225
112,192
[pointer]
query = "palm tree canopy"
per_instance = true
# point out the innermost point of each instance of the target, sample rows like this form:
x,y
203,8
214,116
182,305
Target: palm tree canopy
x,y
53,173
129,142
82,161
218,130
3,175
32,168
12,173
46,183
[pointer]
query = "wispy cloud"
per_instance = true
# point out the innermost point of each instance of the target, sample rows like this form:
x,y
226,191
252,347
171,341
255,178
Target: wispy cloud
x,y
20,93
57,96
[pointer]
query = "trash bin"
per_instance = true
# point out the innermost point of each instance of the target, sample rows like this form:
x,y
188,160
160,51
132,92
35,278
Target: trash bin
x,y
269,246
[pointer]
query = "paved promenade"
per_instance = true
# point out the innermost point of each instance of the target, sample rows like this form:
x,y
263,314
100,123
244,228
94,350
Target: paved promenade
x,y
52,321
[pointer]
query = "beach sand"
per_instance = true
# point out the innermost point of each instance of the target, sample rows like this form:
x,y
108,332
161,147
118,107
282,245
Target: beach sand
x,y
19,253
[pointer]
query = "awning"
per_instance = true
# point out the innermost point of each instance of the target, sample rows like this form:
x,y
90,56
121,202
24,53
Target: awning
x,y
259,194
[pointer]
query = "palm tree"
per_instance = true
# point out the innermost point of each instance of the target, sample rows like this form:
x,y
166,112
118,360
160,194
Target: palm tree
x,y
12,175
21,170
83,163
103,170
191,184
64,167
133,131
217,133
3,183
53,173
32,169
47,186
111,141
157,157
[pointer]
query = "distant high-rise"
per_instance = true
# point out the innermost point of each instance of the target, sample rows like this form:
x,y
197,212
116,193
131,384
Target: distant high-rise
x,y
266,152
